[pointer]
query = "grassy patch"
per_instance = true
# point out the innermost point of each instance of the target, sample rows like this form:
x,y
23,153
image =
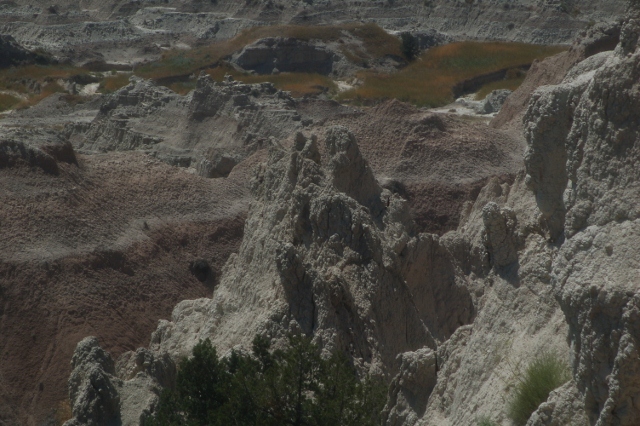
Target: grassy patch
x,y
14,78
46,91
485,421
7,102
299,84
375,41
429,80
546,373
112,83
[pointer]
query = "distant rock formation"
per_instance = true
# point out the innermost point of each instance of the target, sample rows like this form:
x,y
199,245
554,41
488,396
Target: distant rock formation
x,y
13,54
277,54
211,129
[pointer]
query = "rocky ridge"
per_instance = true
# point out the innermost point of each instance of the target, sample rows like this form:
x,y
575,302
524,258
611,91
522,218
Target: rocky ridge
x,y
176,129
548,262
127,31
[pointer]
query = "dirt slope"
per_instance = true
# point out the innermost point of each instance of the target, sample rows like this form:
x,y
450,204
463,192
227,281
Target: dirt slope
x,y
107,248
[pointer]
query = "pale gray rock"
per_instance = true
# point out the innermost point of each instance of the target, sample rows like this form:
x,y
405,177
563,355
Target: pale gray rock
x,y
494,101
564,407
131,25
409,391
104,393
92,391
210,129
323,253
547,263
500,225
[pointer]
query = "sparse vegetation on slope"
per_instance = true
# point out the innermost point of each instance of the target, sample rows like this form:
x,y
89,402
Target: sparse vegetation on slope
x,y
299,84
376,42
546,373
114,82
7,101
429,80
293,386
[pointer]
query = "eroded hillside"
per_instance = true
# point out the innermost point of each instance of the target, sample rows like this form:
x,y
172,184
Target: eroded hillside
x,y
547,262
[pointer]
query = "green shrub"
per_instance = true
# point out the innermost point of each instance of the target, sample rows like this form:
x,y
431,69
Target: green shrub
x,y
546,373
295,386
485,421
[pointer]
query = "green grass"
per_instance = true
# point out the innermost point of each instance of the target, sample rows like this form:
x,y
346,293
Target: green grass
x,y
546,373
112,83
429,80
18,78
7,102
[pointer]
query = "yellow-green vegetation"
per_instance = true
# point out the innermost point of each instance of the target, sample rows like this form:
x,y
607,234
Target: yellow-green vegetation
x,y
18,80
299,84
7,101
430,79
485,421
14,78
114,82
374,40
46,91
427,81
546,373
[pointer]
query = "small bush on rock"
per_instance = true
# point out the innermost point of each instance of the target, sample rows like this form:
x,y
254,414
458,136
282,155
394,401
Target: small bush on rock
x,y
295,386
544,374
485,421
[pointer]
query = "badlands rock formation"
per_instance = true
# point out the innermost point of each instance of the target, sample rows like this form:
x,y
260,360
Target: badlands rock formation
x,y
179,129
143,233
128,31
548,262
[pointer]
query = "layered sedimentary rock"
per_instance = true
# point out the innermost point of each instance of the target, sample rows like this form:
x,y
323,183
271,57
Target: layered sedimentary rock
x,y
178,129
548,262
327,252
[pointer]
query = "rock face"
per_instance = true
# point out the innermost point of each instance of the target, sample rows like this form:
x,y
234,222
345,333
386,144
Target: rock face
x,y
177,129
334,246
12,54
277,54
337,259
100,398
579,164
43,150
548,261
